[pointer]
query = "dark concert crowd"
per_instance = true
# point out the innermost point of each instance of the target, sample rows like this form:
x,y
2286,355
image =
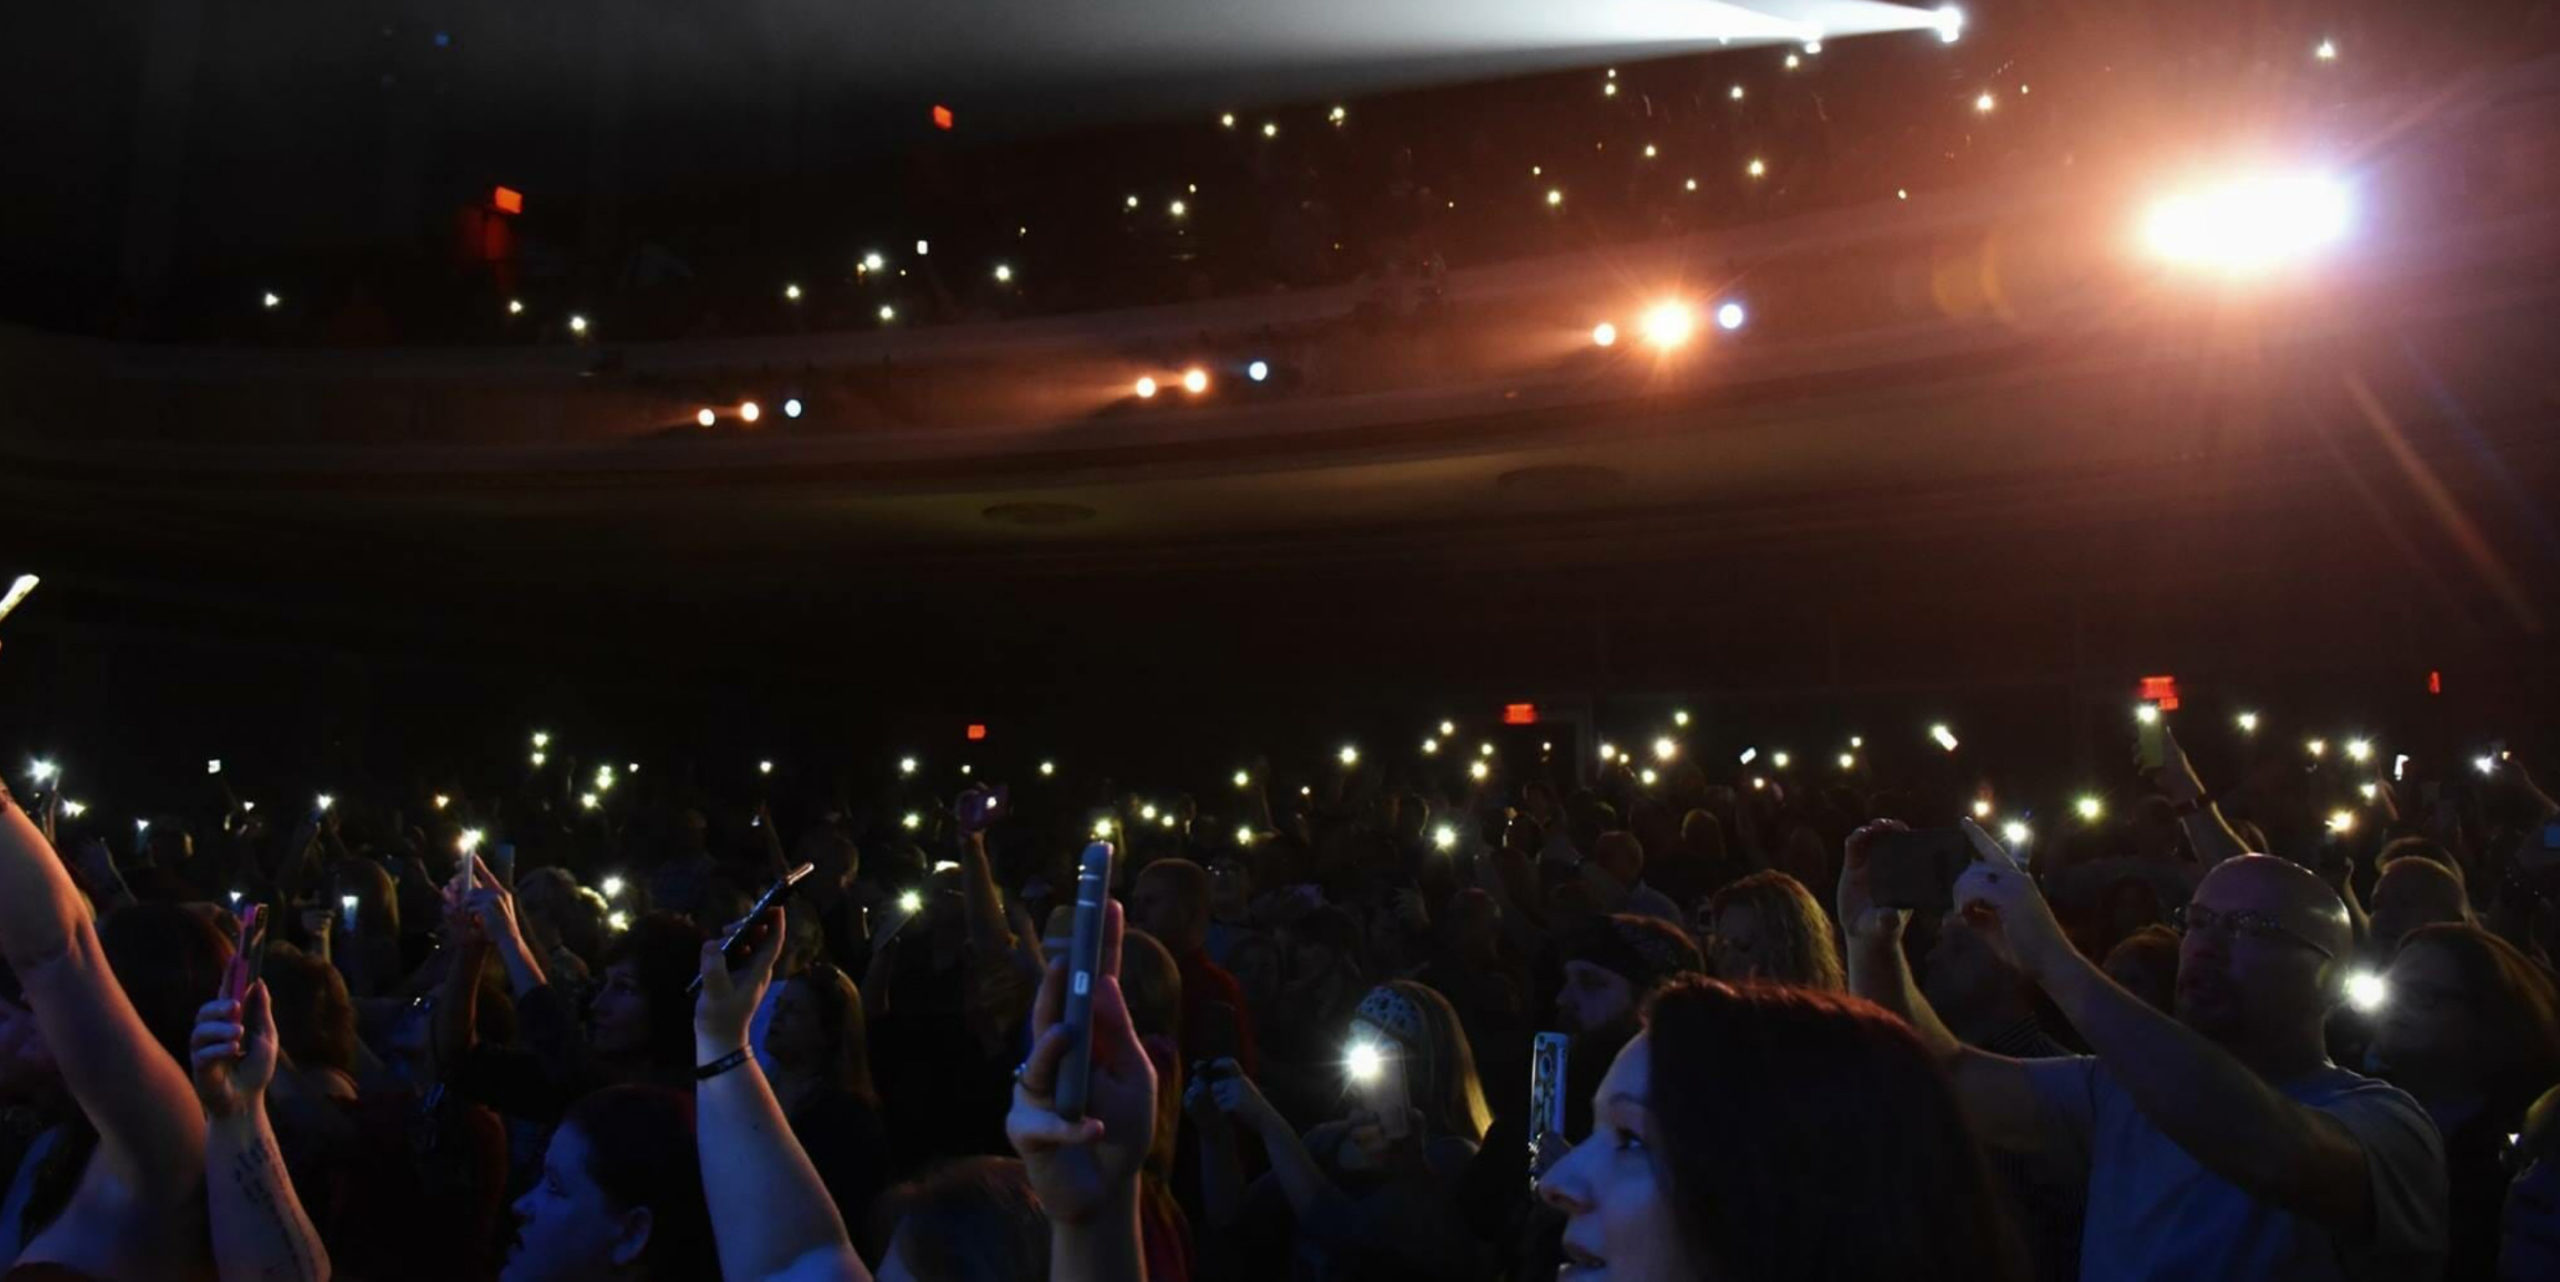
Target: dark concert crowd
x,y
1478,1014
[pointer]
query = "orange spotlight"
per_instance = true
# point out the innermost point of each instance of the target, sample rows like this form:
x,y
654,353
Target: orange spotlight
x,y
1146,388
1604,334
706,418
1669,324
1195,380
750,411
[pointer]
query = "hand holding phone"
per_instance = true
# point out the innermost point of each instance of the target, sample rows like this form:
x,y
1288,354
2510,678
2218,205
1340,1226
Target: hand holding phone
x,y
978,807
1547,1142
744,937
1084,960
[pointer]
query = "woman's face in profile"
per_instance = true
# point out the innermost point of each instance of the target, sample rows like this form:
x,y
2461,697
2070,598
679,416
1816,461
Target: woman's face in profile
x,y
1619,1221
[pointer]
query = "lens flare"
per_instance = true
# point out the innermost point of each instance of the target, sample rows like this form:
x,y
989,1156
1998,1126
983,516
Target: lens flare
x,y
2251,224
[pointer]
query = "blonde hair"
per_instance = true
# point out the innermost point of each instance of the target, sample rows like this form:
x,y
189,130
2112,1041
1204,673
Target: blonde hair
x,y
1805,950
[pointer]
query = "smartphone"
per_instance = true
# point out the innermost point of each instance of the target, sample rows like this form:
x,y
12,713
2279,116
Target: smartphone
x,y
249,956
502,863
2150,739
1918,869
18,591
1547,1143
1084,959
739,943
982,806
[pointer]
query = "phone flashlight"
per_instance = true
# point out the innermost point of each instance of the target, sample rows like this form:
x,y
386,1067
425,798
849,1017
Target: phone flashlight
x,y
1444,837
1778,759
612,886
324,801
1750,755
1946,738
469,841
2485,765
347,904
213,766
911,902
945,865
43,771
2359,750
1364,1061
2399,767
2367,991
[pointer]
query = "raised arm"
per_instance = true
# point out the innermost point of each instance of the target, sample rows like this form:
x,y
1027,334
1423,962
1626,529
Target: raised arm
x,y
1993,1089
260,1232
2215,839
1086,1170
770,1214
2201,1096
132,1091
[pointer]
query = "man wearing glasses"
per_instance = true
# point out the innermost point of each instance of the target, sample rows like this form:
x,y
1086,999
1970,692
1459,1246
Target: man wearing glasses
x,y
2221,1143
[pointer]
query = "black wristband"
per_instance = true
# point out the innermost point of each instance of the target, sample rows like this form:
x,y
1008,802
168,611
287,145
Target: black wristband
x,y
705,1072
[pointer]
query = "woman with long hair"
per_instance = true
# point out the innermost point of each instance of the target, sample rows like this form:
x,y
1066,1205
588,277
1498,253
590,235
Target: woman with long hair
x,y
1374,1192
2470,1030
821,1053
1767,926
1768,1132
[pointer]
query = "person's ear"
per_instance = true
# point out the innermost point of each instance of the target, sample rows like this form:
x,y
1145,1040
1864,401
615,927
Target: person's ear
x,y
631,1235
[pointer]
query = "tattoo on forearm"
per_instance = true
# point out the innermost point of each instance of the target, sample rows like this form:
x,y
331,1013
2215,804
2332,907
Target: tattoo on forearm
x,y
267,1190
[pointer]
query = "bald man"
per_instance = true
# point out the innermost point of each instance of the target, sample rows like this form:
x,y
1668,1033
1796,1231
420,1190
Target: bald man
x,y
2219,1142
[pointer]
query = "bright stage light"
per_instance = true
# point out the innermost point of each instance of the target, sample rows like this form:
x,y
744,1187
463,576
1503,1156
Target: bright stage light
x,y
1604,334
1146,388
1555,196
888,313
1258,371
1985,102
578,325
705,417
1735,93
1758,168
1004,274
1270,129
750,411
2250,224
1227,120
2327,51
1195,381
1950,23
1668,325
791,408
791,293
270,301
515,307
1730,316
1178,209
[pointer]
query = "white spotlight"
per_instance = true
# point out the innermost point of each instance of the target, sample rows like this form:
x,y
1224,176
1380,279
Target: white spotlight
x,y
2250,224
1258,371
1730,316
1950,23
791,408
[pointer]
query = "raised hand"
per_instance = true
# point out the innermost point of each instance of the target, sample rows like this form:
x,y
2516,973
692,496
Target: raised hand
x,y
233,1053
729,998
1085,1169
1996,891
